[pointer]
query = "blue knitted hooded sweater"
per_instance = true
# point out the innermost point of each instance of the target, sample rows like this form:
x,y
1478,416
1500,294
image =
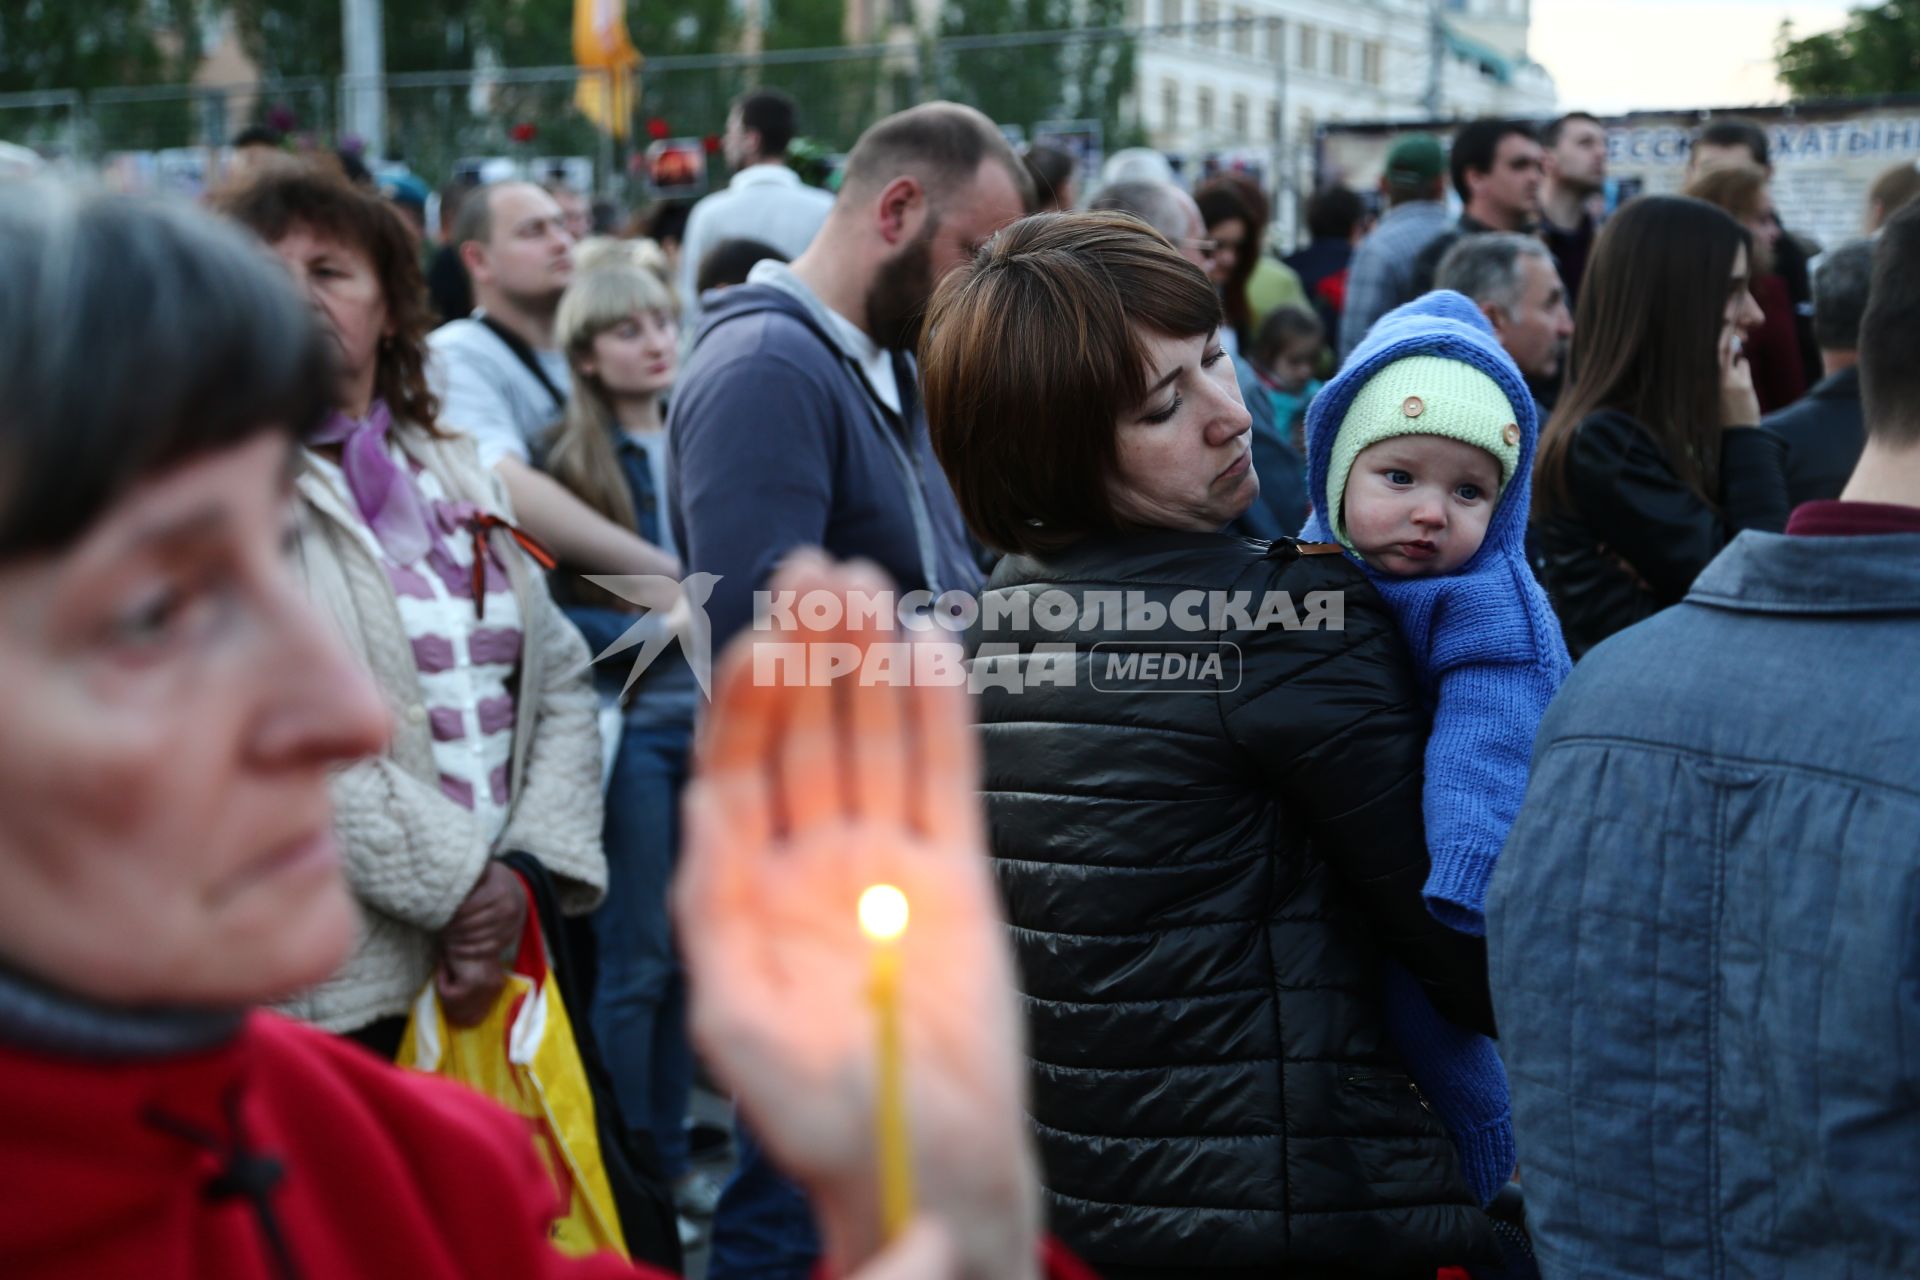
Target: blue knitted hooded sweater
x,y
1484,640
1489,655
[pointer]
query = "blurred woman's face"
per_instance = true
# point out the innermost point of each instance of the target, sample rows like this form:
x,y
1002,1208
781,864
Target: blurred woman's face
x,y
340,282
637,357
1765,230
1184,456
1742,314
173,705
1229,242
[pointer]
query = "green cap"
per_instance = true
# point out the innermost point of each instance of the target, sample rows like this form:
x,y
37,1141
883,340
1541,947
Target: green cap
x,y
1415,158
1421,395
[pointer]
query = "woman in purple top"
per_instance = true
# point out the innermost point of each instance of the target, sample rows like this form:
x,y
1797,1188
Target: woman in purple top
x,y
407,542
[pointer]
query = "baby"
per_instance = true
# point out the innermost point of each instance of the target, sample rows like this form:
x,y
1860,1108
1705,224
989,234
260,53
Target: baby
x,y
1420,455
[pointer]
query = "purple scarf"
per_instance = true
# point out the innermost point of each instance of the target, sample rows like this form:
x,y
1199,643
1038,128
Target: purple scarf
x,y
392,507
381,488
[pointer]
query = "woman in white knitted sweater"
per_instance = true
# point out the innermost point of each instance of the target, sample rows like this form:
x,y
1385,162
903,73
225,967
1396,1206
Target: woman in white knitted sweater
x,y
407,542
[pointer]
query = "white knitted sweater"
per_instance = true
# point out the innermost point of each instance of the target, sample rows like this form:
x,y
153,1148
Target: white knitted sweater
x,y
413,855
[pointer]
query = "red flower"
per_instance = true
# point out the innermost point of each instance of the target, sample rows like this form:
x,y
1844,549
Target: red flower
x,y
657,129
522,132
712,144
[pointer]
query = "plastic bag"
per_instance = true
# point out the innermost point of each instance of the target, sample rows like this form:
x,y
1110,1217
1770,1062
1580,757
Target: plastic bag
x,y
523,1056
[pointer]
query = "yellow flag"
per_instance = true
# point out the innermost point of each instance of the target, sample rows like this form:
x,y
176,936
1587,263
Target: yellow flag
x,y
604,52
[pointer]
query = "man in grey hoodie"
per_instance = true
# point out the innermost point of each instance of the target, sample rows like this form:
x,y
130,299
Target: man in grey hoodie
x,y
797,423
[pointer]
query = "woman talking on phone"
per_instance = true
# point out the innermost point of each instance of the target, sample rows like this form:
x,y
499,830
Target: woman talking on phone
x,y
1654,458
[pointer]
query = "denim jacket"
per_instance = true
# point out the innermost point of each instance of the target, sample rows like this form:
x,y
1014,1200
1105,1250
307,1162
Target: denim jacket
x,y
1704,932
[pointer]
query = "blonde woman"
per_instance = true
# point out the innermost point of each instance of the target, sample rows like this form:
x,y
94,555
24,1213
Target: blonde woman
x,y
616,325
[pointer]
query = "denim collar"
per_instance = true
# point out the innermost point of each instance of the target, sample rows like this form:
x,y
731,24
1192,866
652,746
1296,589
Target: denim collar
x,y
1781,573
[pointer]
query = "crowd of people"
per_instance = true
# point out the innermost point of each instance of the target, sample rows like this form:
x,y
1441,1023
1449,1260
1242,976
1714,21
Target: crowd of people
x,y
1535,894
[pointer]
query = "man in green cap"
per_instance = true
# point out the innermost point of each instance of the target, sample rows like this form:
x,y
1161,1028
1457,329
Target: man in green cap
x,y
1382,275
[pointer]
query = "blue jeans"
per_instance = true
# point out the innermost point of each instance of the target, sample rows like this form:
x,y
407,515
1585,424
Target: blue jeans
x,y
764,1229
640,997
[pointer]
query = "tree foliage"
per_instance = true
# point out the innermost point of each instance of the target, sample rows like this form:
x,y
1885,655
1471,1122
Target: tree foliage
x,y
803,24
1026,82
94,44
1876,52
302,37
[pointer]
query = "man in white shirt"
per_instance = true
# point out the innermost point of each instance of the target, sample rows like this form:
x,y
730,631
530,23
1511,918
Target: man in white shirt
x,y
501,379
766,201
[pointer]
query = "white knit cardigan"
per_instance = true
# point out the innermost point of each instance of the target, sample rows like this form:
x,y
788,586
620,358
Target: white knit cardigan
x,y
412,854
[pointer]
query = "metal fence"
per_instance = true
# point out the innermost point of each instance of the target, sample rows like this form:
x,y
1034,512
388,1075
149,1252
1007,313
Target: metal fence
x,y
435,121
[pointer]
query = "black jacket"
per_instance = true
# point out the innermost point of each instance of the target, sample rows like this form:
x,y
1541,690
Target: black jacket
x,y
1201,886
1825,432
1636,536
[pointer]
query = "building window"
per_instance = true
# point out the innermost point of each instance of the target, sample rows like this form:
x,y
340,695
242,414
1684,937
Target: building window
x,y
1239,115
1209,34
1305,137
1276,39
1170,15
1243,32
1203,107
1370,62
902,13
1308,39
1170,104
1273,121
1337,55
903,96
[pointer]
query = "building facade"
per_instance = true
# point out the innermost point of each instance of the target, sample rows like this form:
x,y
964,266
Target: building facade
x,y
1258,77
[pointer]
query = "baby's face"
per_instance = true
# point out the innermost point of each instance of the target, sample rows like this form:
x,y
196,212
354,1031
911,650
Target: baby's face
x,y
1418,506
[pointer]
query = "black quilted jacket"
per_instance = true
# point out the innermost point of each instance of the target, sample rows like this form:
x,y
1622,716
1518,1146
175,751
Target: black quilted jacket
x,y
1201,886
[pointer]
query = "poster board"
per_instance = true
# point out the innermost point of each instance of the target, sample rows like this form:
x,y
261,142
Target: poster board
x,y
1826,156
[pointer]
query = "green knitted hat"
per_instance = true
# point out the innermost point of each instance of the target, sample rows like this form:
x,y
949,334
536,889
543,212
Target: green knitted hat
x,y
1422,395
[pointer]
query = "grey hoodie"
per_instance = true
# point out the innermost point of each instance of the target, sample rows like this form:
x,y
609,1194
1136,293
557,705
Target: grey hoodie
x,y
777,441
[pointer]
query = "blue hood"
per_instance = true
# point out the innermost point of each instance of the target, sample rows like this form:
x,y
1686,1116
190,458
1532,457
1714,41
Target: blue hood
x,y
1443,324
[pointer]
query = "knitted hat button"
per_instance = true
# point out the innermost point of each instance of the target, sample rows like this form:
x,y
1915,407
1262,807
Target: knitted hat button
x,y
1413,406
1510,433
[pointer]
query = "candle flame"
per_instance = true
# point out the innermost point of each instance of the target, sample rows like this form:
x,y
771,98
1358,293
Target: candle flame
x,y
883,912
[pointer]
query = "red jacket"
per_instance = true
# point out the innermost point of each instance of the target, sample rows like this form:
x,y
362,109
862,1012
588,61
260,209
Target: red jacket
x,y
382,1173
286,1152
1773,349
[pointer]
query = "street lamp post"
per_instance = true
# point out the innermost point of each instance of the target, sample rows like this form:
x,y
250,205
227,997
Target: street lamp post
x,y
363,38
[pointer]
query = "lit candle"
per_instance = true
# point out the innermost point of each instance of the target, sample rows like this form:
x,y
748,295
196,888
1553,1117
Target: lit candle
x,y
883,915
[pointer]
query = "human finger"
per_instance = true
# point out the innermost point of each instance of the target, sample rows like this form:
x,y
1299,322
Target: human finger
x,y
944,776
809,772
874,714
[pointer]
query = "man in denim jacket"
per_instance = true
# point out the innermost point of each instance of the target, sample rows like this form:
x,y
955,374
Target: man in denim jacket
x,y
1704,933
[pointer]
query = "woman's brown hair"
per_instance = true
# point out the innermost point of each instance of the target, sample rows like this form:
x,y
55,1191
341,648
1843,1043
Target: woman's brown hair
x,y
1740,189
1223,199
287,196
1032,354
1646,340
1892,191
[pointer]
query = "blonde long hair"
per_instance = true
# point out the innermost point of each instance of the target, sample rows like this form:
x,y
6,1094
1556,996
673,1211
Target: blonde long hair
x,y
613,280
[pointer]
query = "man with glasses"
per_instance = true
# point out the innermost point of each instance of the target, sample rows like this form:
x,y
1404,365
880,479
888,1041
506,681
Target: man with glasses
x,y
1383,272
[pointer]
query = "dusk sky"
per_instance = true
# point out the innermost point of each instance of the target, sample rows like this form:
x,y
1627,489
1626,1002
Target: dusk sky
x,y
1609,56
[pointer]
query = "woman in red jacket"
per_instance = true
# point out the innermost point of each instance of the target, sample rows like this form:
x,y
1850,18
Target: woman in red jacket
x,y
172,709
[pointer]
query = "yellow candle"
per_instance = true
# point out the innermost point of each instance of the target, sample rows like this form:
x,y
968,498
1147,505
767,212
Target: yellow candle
x,y
883,915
